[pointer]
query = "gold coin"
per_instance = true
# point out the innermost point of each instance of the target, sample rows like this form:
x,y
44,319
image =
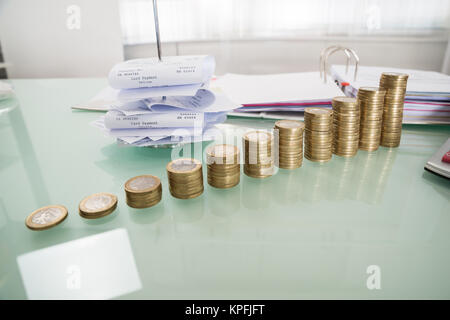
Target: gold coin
x,y
46,217
143,191
183,166
317,112
97,205
260,137
185,178
142,184
290,125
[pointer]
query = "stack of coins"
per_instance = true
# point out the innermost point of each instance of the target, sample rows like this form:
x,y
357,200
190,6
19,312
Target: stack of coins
x,y
143,191
395,86
185,178
289,137
258,159
97,205
345,126
318,134
371,101
46,217
223,168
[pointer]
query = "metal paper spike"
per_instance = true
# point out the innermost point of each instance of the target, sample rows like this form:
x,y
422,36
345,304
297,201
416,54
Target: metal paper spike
x,y
158,40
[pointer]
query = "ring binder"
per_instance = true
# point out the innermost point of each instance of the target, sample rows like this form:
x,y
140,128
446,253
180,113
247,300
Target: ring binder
x,y
327,52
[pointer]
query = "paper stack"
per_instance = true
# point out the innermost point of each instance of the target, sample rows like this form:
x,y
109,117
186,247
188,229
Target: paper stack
x,y
283,95
427,95
151,102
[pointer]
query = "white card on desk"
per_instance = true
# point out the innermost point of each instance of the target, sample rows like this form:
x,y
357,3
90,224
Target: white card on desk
x,y
101,266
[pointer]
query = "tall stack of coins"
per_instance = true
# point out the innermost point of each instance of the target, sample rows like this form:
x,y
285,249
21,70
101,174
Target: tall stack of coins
x,y
395,86
97,205
371,100
185,178
223,168
143,191
345,126
289,135
258,159
318,134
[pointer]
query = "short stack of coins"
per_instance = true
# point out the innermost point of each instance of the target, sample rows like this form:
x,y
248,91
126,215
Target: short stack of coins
x,y
143,191
258,158
223,168
185,178
346,121
97,205
289,138
395,86
318,134
371,101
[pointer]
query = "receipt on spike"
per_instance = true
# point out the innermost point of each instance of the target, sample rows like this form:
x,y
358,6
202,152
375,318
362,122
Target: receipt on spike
x,y
117,120
171,71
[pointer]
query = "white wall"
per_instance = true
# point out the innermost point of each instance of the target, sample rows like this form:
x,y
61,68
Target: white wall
x,y
37,43
272,56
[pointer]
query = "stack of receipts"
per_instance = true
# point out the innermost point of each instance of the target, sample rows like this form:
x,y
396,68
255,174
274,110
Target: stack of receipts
x,y
151,102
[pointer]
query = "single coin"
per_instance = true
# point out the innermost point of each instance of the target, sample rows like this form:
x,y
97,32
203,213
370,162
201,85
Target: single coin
x,y
46,217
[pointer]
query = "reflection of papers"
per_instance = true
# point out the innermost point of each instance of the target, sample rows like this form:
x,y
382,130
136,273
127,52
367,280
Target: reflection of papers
x,y
175,70
101,266
6,90
251,89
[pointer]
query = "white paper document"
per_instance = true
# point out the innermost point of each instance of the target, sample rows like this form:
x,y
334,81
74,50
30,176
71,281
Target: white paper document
x,y
171,71
253,89
418,80
101,266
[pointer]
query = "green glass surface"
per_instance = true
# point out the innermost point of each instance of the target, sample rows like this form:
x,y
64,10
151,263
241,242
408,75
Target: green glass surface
x,y
305,233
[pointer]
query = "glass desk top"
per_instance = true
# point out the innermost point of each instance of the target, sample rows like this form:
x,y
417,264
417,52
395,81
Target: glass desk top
x,y
312,232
